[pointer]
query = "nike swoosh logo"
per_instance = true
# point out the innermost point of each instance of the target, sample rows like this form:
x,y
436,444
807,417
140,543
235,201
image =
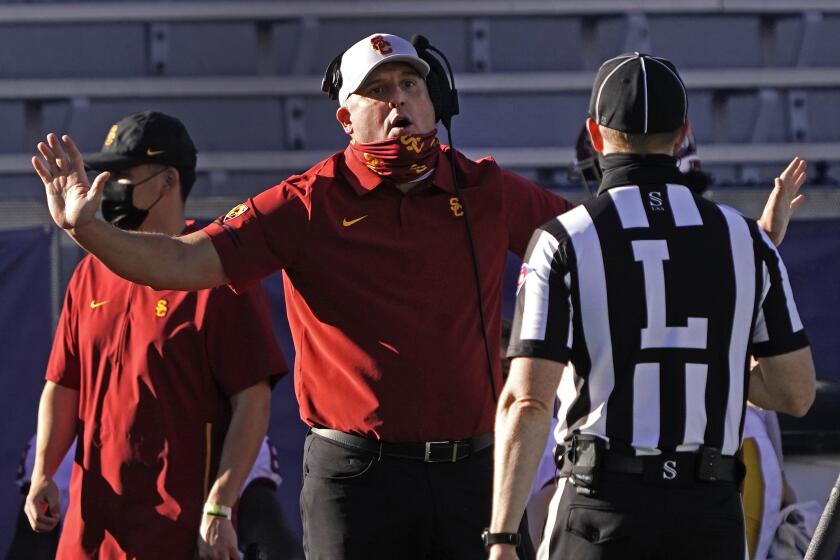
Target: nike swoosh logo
x,y
347,223
151,153
94,304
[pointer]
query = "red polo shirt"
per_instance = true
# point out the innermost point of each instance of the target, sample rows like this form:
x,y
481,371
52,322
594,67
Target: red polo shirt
x,y
155,371
380,290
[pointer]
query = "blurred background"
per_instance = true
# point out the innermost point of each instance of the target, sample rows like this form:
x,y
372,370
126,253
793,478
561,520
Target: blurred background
x,y
244,77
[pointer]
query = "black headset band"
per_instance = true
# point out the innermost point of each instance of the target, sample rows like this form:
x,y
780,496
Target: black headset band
x,y
332,81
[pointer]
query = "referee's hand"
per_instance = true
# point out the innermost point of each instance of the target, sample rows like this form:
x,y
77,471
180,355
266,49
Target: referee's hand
x,y
42,506
217,539
784,200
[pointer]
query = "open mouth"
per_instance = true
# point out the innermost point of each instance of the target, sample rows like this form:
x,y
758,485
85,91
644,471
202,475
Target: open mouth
x,y
399,124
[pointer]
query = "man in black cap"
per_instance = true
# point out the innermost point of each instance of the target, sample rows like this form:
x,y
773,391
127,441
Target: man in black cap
x,y
656,299
169,405
148,147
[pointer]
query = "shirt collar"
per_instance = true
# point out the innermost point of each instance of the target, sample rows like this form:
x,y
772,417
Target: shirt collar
x,y
363,180
637,169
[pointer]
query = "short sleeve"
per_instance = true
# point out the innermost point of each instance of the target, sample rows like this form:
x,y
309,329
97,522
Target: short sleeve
x,y
542,323
64,367
262,235
527,206
778,328
240,342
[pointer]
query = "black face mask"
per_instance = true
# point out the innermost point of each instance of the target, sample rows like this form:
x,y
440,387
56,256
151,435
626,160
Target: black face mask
x,y
118,204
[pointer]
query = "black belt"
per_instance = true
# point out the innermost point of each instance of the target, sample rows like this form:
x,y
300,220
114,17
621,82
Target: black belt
x,y
427,451
725,468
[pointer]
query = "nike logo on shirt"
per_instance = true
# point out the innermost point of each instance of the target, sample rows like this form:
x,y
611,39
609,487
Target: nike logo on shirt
x,y
347,223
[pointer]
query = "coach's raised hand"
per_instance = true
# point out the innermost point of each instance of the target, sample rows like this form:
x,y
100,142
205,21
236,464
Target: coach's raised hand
x,y
71,198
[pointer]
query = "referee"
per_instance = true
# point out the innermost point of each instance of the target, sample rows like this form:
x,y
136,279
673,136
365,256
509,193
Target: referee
x,y
656,299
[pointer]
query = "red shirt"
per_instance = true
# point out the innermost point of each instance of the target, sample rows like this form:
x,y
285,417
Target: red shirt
x,y
154,371
380,290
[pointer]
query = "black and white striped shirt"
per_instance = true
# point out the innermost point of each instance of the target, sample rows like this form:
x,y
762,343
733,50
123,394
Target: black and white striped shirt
x,y
656,298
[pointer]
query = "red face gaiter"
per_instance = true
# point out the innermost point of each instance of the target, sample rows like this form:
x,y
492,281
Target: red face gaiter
x,y
400,160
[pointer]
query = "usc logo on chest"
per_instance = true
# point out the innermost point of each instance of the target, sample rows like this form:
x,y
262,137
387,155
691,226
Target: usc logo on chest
x,y
161,308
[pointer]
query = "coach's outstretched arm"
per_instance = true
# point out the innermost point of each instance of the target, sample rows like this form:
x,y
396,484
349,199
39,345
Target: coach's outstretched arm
x,y
160,261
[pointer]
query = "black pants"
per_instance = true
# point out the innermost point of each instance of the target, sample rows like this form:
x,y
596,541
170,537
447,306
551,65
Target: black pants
x,y
355,505
29,545
630,519
260,522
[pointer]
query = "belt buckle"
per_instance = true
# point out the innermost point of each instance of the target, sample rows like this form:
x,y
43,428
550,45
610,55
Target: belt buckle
x,y
427,458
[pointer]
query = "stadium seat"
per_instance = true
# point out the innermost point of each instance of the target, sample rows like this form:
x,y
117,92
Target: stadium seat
x,y
86,50
701,114
823,115
736,40
215,124
13,138
827,51
611,38
334,36
214,49
534,44
788,42
741,114
524,120
322,130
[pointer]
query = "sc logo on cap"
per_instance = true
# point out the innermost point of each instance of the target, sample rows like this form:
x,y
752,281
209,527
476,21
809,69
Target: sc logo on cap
x,y
112,135
379,43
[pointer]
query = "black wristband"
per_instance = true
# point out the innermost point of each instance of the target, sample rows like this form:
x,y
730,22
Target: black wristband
x,y
489,539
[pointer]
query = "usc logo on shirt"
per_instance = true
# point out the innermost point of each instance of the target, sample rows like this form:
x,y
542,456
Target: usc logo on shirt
x,y
162,308
235,212
455,207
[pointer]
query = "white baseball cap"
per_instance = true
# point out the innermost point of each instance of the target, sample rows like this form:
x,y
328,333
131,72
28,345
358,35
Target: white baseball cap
x,y
364,57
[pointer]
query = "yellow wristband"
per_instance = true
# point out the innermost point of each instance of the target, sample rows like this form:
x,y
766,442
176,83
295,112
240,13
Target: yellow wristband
x,y
217,510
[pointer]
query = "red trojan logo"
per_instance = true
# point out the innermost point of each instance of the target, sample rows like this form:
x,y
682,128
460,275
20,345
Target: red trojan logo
x,y
381,45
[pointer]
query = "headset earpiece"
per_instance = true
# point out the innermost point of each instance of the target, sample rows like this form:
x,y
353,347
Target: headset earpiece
x,y
441,87
332,81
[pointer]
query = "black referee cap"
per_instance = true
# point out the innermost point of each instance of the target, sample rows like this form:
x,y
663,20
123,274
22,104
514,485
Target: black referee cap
x,y
638,94
147,137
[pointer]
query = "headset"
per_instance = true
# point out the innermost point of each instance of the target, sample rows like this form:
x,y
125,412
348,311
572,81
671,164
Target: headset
x,y
444,96
332,81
